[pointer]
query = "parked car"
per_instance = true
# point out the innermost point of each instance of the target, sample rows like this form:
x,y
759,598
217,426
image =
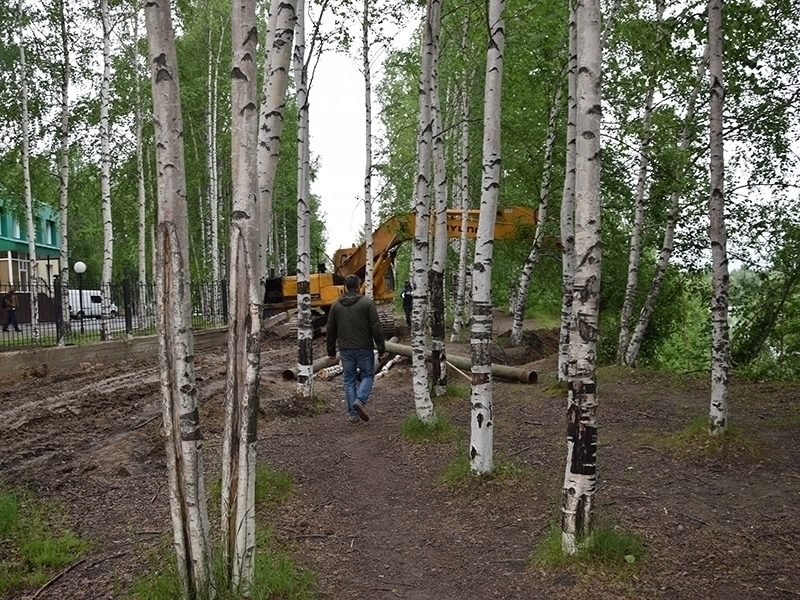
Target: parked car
x,y
91,304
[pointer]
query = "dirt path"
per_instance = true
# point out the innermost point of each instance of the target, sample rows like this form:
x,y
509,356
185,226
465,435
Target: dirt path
x,y
370,516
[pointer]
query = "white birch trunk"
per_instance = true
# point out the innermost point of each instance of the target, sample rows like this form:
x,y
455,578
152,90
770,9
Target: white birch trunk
x,y
370,248
662,262
568,203
580,473
634,255
105,175
142,319
216,264
63,178
244,339
521,298
173,308
720,343
305,332
482,420
419,311
458,310
277,59
436,273
30,222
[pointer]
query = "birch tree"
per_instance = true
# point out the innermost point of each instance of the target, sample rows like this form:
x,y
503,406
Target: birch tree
x,y
30,223
244,329
567,217
458,309
365,62
635,344
278,55
63,172
188,510
305,332
141,196
212,162
422,200
105,173
580,473
720,342
634,253
436,273
482,418
521,297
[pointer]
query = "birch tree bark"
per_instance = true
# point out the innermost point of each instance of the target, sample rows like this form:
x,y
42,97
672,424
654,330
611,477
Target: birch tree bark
x,y
244,329
142,319
436,272
305,332
458,310
634,254
580,473
212,112
568,202
105,175
30,223
673,213
720,342
521,298
63,173
283,17
173,308
482,420
365,58
419,311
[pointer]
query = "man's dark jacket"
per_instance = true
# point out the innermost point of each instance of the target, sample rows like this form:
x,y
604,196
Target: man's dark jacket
x,y
354,322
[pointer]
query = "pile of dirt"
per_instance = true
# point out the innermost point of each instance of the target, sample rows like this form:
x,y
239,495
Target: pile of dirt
x,y
535,345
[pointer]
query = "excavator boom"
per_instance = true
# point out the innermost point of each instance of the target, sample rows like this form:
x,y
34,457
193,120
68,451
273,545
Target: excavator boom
x,y
281,292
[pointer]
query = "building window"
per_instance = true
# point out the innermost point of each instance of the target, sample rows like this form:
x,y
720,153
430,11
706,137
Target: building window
x,y
50,233
16,228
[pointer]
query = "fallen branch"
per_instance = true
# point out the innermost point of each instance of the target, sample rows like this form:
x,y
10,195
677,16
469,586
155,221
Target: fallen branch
x,y
57,577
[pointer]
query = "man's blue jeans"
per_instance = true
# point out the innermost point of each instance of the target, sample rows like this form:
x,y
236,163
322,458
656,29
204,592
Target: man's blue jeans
x,y
358,373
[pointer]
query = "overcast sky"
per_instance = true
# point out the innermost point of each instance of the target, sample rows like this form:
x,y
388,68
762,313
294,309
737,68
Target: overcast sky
x,y
338,142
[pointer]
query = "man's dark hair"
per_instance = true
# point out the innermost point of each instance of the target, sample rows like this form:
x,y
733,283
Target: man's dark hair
x,y
352,282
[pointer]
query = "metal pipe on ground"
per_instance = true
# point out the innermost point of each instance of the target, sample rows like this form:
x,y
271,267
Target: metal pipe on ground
x,y
520,374
320,363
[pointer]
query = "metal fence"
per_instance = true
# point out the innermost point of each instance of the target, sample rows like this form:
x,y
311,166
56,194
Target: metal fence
x,y
131,312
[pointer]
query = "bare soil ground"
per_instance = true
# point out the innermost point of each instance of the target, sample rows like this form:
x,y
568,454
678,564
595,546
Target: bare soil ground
x,y
370,516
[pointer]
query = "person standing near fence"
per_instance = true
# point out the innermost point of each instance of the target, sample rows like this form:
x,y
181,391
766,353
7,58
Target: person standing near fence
x,y
11,304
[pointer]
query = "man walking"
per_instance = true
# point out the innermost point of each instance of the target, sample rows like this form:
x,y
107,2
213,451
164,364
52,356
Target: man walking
x,y
10,304
353,322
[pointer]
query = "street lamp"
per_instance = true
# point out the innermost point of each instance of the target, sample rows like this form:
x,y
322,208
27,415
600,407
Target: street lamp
x,y
80,268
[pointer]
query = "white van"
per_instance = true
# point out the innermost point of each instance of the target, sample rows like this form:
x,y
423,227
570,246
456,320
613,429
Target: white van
x,y
92,304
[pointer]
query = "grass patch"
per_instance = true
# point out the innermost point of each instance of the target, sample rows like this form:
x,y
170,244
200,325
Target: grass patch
x,y
458,473
440,431
34,540
457,391
613,550
695,441
276,575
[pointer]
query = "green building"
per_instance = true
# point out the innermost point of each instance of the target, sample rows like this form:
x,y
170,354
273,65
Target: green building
x,y
14,257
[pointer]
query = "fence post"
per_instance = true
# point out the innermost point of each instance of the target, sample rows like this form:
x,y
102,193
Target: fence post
x,y
59,315
128,302
224,285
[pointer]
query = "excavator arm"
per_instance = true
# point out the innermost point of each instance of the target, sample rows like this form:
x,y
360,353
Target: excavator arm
x,y
281,292
512,222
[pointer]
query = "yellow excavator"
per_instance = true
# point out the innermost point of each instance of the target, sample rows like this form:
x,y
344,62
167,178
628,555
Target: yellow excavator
x,y
281,292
